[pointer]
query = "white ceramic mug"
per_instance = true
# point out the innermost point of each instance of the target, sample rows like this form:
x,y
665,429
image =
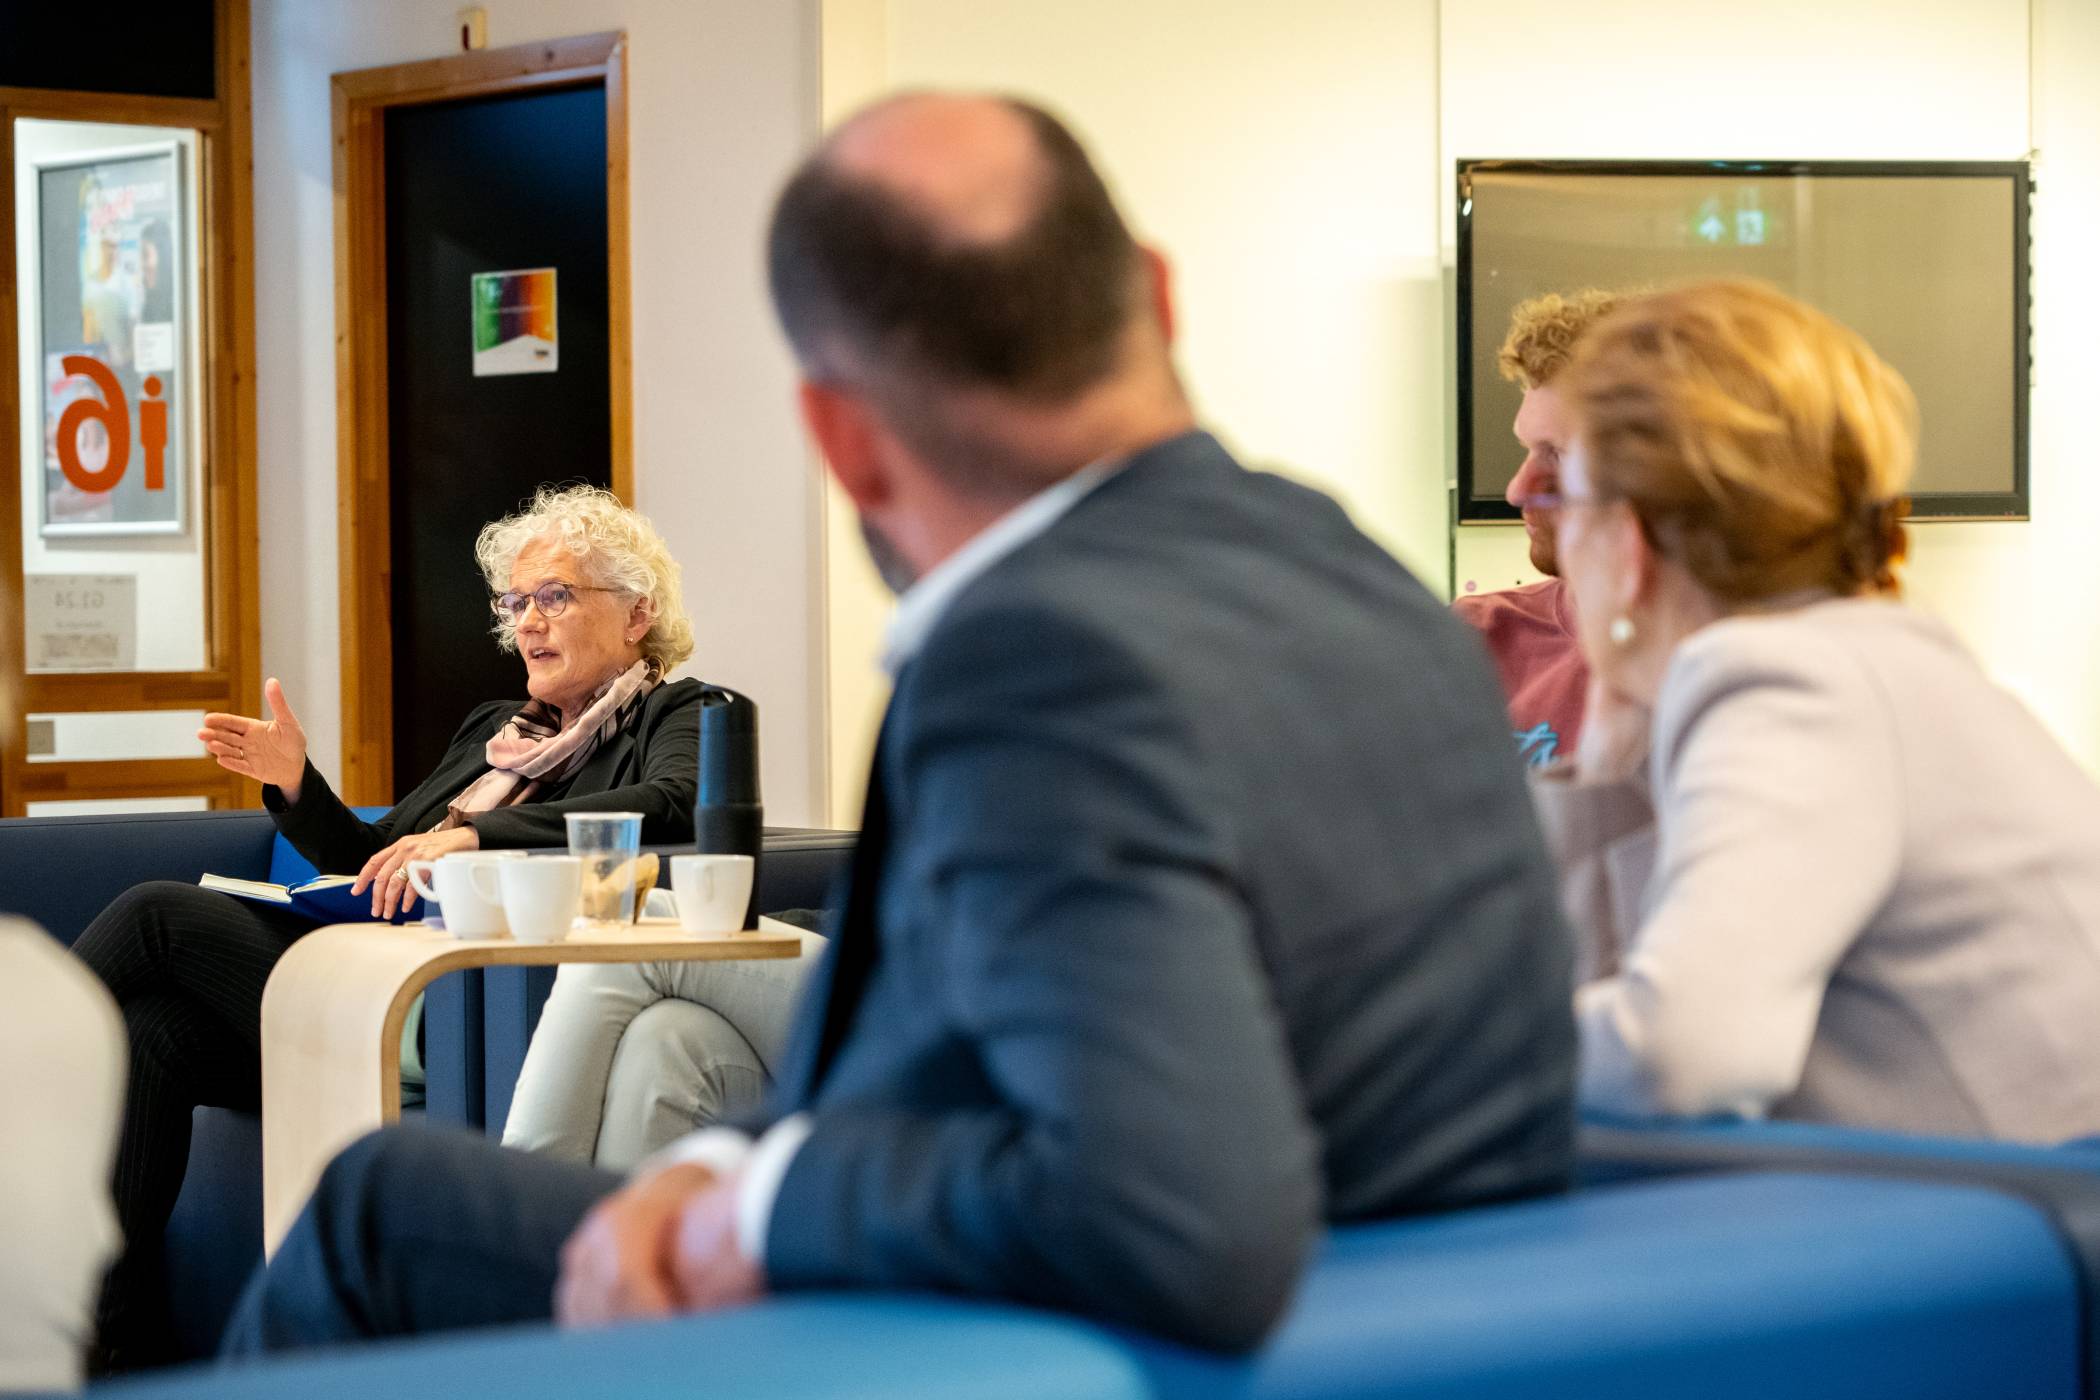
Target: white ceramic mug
x,y
540,896
712,892
470,909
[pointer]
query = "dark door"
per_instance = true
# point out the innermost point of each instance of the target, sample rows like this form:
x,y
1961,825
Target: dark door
x,y
488,185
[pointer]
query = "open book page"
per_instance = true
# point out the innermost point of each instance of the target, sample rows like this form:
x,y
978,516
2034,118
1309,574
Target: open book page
x,y
247,889
324,899
271,893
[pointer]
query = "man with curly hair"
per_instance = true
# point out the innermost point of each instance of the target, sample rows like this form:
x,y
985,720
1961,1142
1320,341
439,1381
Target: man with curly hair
x,y
1530,631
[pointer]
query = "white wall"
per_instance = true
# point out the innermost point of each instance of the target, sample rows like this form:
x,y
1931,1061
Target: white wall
x,y
1857,80
2054,597
856,67
1295,161
1283,157
722,99
1861,79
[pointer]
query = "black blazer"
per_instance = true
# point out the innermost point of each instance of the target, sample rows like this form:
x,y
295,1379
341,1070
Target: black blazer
x,y
1199,898
653,767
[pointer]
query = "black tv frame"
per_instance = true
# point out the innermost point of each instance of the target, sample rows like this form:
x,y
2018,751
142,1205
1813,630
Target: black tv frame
x,y
1925,505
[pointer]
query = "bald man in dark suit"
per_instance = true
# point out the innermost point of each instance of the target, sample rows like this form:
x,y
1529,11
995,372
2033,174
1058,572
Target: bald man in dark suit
x,y
1198,899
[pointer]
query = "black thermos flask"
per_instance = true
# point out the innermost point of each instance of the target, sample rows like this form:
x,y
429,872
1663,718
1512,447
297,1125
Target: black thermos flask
x,y
728,818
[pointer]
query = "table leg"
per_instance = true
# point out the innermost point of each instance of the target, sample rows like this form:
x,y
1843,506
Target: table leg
x,y
331,1033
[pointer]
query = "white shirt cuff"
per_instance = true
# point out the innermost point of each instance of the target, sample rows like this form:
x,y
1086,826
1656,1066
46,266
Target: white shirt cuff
x,y
721,1150
764,1163
764,1170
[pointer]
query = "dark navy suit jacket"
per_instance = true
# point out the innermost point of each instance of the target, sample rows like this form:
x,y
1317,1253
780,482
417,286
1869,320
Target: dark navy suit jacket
x,y
1199,899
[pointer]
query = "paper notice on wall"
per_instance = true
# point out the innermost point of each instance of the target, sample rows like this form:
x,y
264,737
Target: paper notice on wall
x,y
514,322
153,346
81,622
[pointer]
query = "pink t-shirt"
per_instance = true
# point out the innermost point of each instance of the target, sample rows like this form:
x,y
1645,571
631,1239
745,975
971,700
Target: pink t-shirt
x,y
1530,633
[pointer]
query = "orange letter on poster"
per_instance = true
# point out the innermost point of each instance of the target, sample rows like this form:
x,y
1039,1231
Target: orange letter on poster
x,y
153,433
110,411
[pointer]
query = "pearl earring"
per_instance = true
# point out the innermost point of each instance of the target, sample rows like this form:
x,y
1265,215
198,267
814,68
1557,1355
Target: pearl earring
x,y
1621,631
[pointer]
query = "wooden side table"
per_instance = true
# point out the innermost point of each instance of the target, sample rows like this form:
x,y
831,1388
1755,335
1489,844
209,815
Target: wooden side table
x,y
332,1014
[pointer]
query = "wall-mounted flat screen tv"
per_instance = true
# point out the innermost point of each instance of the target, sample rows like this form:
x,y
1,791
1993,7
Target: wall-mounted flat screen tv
x,y
1928,261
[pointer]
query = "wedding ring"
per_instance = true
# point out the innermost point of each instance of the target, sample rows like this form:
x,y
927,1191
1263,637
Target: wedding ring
x,y
398,875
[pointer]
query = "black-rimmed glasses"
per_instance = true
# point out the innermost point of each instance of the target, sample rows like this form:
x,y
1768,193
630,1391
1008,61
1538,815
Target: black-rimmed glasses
x,y
552,598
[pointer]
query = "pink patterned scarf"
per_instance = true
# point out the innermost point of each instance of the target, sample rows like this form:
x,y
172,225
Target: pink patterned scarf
x,y
532,747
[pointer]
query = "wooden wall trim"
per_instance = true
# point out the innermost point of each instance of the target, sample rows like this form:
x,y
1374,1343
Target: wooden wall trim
x,y
12,657
513,69
125,108
226,310
131,777
360,100
363,526
237,637
129,690
618,299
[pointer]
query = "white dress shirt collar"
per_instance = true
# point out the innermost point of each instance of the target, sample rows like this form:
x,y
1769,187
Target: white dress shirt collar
x,y
921,606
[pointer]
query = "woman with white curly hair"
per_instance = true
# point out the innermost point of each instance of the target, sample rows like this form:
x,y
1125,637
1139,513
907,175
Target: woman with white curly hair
x,y
586,592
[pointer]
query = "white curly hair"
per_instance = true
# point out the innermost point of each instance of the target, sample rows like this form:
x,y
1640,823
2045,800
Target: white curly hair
x,y
616,546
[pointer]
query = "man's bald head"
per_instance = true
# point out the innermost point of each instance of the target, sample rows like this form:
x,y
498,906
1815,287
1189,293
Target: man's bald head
x,y
939,244
970,165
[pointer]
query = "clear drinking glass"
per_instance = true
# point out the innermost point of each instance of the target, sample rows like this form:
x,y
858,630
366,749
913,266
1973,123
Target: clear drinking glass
x,y
608,843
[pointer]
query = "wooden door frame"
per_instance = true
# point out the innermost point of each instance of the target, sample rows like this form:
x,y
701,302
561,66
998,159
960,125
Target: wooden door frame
x,y
233,676
361,101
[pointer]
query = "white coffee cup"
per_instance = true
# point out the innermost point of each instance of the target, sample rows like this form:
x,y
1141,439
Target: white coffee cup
x,y
712,892
540,896
470,909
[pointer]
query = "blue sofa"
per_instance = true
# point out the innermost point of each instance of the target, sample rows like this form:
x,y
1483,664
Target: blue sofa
x,y
62,871
1747,1260
2061,1183
1754,1286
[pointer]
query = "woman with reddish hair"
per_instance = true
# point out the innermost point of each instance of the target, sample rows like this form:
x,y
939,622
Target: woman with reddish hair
x,y
1828,870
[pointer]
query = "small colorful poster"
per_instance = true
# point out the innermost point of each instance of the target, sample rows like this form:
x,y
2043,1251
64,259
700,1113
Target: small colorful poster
x,y
514,324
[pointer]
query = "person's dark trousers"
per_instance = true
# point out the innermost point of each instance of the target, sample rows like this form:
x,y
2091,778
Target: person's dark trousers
x,y
187,968
417,1229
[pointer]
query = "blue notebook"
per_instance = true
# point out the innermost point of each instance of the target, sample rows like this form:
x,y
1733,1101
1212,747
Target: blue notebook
x,y
325,899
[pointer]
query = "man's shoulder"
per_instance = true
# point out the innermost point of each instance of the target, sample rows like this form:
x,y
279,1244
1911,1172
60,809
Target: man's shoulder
x,y
1185,515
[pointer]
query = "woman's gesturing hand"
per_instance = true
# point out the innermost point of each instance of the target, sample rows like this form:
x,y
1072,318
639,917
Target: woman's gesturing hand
x,y
271,751
386,874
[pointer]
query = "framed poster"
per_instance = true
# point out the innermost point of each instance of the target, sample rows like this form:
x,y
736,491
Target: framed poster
x,y
116,355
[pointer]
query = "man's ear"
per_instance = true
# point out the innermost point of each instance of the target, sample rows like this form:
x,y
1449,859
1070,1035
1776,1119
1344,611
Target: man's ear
x,y
845,432
1161,276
